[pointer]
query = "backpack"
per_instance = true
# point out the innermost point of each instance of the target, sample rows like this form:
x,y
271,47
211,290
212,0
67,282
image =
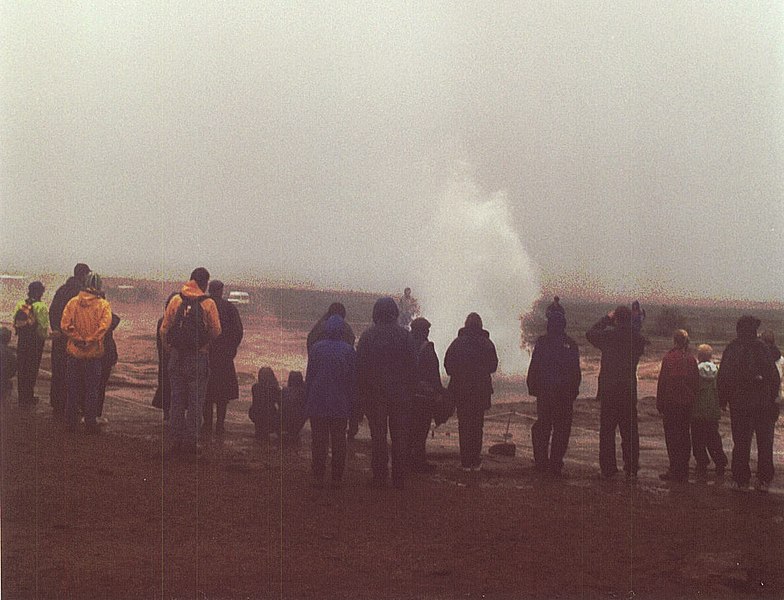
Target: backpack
x,y
187,332
24,319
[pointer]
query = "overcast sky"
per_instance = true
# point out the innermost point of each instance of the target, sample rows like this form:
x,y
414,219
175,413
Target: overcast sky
x,y
634,145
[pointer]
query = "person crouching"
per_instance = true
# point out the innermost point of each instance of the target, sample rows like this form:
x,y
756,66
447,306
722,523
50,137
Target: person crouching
x,y
330,396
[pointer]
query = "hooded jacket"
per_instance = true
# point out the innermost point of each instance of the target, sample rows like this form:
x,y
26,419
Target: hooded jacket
x,y
331,379
679,380
707,406
86,319
209,312
470,361
386,358
554,371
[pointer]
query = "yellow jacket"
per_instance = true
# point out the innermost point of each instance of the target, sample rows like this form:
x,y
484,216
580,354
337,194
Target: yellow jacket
x,y
86,319
209,312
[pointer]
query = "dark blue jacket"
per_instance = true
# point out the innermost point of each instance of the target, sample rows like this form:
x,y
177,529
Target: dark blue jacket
x,y
554,371
331,380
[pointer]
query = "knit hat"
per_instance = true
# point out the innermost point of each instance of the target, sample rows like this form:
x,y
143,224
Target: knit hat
x,y
93,282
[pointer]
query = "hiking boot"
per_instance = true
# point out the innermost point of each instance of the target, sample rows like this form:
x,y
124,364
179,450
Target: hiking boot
x,y
92,428
736,486
423,467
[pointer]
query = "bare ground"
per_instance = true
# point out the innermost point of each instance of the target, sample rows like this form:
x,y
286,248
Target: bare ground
x,y
105,517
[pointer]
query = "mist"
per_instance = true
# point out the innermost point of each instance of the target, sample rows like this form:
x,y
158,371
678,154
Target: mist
x,y
636,146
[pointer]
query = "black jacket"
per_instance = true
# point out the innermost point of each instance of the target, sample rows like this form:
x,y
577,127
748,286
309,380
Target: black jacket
x,y
621,349
554,371
748,377
222,384
386,358
470,361
64,293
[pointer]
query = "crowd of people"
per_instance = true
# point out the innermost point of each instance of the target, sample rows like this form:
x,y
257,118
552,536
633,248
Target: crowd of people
x,y
393,378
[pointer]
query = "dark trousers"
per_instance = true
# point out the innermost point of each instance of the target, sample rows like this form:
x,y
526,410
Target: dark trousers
x,y
550,434
418,427
29,350
328,432
106,371
705,439
470,425
58,390
84,378
620,413
220,414
746,423
677,437
387,417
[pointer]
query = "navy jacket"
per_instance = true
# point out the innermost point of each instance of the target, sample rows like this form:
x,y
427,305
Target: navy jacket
x,y
554,371
470,361
331,380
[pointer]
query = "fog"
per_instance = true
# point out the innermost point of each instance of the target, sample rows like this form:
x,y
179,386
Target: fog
x,y
632,147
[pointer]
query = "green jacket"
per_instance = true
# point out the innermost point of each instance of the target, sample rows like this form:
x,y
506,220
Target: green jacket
x,y
41,312
707,406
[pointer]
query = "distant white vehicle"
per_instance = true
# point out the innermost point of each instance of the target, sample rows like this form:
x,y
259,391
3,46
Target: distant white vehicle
x,y
239,298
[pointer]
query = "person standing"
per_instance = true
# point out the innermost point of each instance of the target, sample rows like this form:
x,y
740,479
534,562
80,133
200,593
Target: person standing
x,y
7,363
638,316
428,388
86,319
317,333
58,390
386,370
676,395
749,383
470,361
110,358
408,309
222,384
162,397
331,392
31,322
705,436
554,379
621,349
189,324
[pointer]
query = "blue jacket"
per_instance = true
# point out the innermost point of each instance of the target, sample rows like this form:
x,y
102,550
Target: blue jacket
x,y
331,380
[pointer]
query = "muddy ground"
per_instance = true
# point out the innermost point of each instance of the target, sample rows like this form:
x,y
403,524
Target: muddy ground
x,y
105,517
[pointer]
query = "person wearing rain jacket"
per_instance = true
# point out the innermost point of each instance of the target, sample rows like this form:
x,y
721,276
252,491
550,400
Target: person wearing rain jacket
x,y
58,387
676,394
188,364
86,319
386,374
554,379
470,361
330,396
30,342
705,436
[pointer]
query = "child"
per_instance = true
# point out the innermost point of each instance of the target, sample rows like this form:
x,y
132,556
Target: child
x,y
292,408
264,409
705,437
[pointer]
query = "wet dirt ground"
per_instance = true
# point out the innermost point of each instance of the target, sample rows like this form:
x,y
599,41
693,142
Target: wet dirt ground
x,y
107,517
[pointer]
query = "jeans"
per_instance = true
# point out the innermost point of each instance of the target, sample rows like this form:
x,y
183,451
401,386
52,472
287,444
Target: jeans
x,y
188,376
84,379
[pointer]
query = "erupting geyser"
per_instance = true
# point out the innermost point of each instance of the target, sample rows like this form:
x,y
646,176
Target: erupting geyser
x,y
472,260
